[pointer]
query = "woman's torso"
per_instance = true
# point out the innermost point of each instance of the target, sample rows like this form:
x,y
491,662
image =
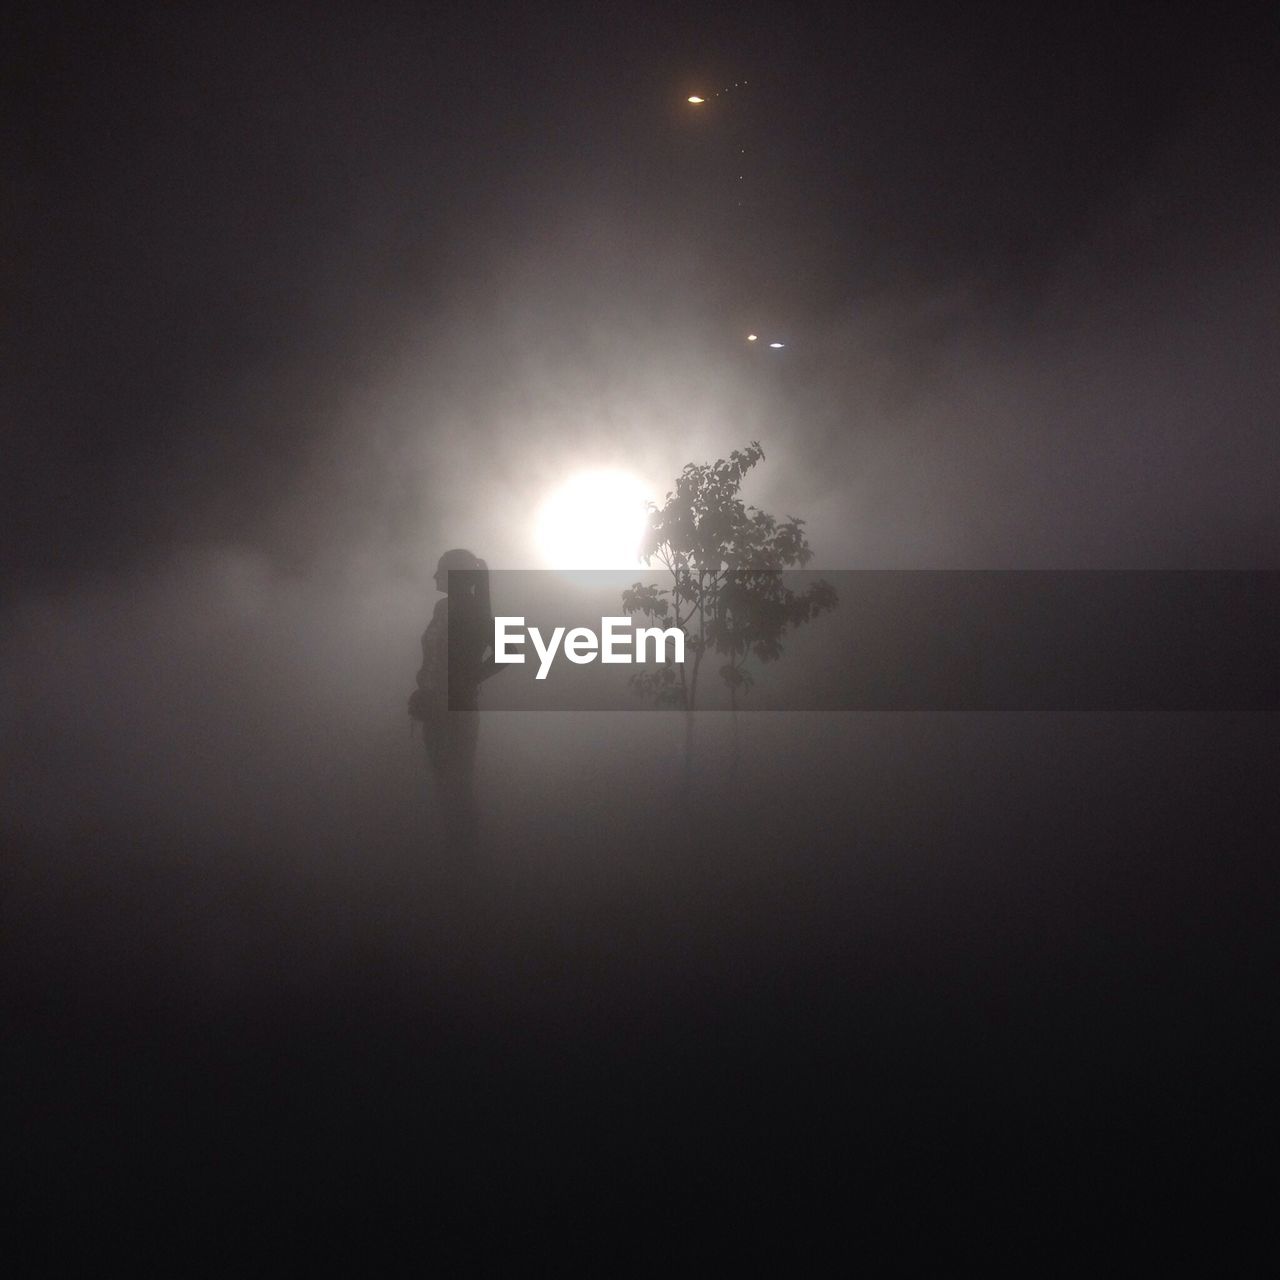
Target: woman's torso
x,y
456,666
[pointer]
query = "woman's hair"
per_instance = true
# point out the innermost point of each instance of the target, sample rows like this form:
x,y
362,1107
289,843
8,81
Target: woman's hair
x,y
477,587
458,558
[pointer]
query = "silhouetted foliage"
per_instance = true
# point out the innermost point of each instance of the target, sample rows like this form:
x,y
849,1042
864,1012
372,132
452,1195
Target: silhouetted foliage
x,y
727,595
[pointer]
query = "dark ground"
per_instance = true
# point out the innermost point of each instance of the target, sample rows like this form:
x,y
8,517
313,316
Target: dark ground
x,y
921,990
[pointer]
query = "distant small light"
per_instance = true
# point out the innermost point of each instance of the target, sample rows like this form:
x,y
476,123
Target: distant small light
x,y
751,337
693,97
777,344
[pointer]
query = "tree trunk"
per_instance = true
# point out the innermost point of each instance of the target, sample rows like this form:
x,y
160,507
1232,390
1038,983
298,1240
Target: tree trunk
x,y
688,756
733,731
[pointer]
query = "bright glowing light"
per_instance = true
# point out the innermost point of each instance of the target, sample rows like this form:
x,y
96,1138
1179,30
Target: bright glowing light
x,y
751,337
777,344
595,520
693,97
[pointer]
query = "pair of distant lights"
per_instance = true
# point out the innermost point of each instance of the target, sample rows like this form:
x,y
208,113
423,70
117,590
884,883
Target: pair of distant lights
x,y
755,337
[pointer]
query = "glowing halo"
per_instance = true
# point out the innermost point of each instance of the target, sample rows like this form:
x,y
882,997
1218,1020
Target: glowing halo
x,y
594,520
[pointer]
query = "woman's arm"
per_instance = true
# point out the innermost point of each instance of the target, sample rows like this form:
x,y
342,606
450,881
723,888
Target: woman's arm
x,y
489,666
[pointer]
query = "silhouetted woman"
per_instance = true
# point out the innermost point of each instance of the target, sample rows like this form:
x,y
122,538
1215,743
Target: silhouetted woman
x,y
457,654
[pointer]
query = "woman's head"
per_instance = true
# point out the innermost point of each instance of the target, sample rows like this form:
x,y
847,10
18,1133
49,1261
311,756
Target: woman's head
x,y
458,558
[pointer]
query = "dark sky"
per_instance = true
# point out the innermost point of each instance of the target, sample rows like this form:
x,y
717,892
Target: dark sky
x,y
232,229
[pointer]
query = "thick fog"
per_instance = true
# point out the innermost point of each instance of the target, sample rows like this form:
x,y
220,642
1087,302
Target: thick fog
x,y
277,358
1121,418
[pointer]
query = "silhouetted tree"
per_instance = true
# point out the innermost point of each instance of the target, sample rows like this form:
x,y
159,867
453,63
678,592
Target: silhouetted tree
x,y
727,594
